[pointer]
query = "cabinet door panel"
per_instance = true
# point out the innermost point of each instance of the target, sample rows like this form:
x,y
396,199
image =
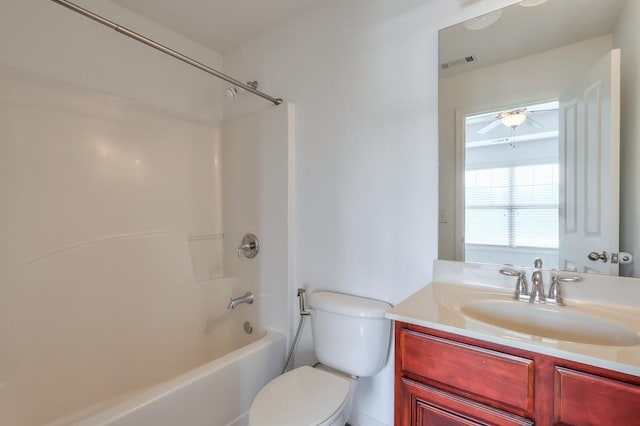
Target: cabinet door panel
x,y
430,406
428,415
586,399
497,379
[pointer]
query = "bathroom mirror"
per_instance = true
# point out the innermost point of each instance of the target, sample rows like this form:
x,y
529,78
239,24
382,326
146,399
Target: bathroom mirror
x,y
513,183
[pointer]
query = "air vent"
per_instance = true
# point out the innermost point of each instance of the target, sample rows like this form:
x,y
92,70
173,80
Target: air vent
x,y
456,62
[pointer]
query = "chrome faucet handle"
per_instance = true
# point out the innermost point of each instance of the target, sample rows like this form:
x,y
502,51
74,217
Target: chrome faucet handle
x,y
522,289
555,292
510,272
249,246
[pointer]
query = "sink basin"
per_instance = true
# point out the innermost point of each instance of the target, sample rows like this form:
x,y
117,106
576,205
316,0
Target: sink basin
x,y
559,323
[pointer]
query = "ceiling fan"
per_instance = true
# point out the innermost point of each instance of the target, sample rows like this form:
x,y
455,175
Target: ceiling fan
x,y
513,119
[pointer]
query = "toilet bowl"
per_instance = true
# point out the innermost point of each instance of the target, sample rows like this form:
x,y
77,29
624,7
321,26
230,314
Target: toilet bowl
x,y
304,396
351,339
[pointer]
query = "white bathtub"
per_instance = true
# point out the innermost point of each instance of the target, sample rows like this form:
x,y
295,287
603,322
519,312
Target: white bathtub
x,y
117,332
216,394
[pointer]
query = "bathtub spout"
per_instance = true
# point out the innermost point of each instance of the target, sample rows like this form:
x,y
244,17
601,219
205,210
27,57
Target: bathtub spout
x,y
235,301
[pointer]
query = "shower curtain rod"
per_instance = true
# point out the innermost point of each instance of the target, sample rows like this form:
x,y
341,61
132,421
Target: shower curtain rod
x,y
164,49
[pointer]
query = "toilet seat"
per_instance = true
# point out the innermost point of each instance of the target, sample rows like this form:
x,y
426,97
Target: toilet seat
x,y
304,396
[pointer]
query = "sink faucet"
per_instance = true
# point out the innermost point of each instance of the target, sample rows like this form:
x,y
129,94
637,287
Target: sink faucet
x,y
537,286
235,301
537,290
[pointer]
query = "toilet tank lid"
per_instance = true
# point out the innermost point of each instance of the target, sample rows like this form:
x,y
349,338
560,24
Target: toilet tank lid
x,y
348,305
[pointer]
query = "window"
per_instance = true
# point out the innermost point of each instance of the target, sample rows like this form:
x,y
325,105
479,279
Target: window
x,y
513,206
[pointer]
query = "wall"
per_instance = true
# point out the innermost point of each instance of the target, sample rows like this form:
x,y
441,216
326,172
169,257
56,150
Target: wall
x,y
79,166
46,38
58,43
626,37
533,78
363,75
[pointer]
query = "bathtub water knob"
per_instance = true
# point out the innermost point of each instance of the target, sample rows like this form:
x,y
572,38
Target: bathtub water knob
x,y
249,246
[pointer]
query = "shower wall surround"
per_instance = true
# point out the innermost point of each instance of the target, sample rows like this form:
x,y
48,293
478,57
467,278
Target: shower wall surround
x,y
79,166
91,186
80,162
257,158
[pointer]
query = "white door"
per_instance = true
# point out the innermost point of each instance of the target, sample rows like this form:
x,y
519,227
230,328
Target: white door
x,y
590,169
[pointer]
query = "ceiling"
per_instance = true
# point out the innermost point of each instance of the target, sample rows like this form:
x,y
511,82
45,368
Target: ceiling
x,y
220,25
522,31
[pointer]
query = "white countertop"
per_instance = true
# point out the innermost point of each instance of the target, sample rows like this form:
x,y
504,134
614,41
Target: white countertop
x,y
438,306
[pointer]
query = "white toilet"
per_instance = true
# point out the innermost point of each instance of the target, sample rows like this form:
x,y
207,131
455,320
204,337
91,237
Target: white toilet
x,y
351,339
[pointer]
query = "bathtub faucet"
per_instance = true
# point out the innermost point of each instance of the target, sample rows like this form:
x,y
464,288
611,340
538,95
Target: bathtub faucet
x,y
235,301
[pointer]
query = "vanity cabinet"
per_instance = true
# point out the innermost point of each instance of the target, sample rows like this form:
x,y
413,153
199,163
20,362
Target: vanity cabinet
x,y
446,379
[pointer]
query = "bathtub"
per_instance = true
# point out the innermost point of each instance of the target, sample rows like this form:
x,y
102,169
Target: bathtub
x,y
216,394
118,332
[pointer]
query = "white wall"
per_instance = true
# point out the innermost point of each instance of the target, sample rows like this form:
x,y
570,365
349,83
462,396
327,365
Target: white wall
x,y
257,151
43,37
363,75
538,77
78,166
626,37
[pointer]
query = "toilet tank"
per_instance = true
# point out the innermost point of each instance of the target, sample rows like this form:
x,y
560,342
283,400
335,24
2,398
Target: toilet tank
x,y
350,333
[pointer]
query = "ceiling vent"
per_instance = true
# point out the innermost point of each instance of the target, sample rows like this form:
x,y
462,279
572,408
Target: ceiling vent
x,y
456,62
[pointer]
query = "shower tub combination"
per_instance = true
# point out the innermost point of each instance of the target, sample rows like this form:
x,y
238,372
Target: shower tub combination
x,y
117,332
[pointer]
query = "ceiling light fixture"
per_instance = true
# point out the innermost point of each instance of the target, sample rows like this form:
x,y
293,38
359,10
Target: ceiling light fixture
x,y
513,118
483,21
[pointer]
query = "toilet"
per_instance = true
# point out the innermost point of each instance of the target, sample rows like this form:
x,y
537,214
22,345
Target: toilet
x,y
351,339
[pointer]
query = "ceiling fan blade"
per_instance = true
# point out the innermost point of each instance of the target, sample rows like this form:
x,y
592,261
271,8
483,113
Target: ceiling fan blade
x,y
489,127
535,111
534,123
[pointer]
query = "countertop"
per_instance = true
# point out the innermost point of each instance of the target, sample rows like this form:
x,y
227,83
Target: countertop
x,y
438,306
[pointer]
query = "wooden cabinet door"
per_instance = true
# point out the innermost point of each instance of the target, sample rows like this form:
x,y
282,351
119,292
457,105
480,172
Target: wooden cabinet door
x,y
583,399
493,378
424,405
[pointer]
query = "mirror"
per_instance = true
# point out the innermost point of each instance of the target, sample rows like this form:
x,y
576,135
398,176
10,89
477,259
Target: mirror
x,y
521,63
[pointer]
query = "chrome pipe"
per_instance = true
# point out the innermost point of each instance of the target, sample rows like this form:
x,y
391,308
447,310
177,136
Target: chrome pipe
x,y
164,49
303,314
